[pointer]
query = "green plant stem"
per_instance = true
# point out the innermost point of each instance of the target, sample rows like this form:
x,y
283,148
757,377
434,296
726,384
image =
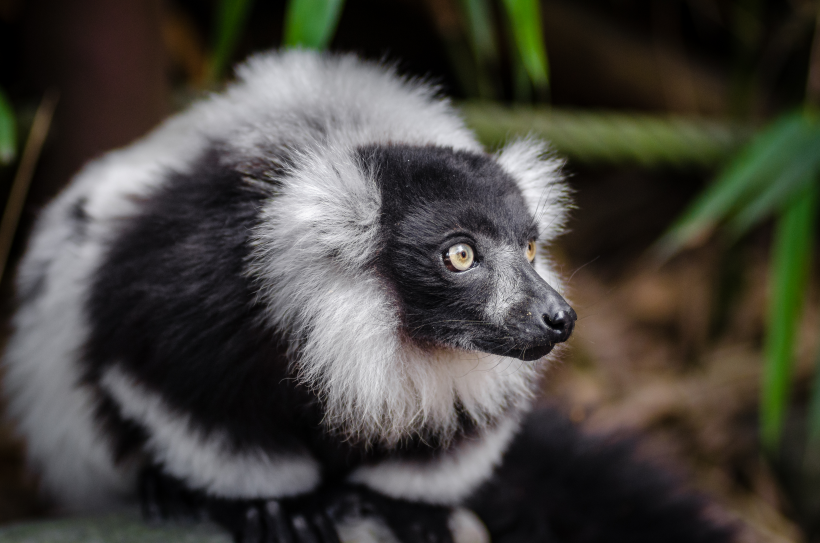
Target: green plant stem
x,y
525,23
812,103
8,131
483,44
610,137
230,19
790,261
25,171
311,23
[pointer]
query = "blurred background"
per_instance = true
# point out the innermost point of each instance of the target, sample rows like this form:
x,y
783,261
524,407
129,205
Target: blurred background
x,y
692,135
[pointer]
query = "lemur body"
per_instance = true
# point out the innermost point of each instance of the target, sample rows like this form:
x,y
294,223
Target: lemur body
x,y
316,276
314,297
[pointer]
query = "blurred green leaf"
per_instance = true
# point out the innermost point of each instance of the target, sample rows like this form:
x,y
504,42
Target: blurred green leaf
x,y
230,19
480,25
311,23
525,23
609,138
8,131
482,43
790,262
803,168
753,170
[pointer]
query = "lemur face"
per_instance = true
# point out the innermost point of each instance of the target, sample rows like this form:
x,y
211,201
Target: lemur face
x,y
459,245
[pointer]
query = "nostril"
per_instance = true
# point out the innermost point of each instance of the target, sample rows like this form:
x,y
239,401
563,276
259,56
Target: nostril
x,y
560,321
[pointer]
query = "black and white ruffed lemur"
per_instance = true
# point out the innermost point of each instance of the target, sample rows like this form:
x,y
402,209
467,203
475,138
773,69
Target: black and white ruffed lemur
x,y
311,298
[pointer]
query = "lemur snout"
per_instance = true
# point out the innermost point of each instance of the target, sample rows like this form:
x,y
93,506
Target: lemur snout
x,y
552,319
561,323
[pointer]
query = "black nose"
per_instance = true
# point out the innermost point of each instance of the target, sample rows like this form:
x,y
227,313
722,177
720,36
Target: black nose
x,y
560,323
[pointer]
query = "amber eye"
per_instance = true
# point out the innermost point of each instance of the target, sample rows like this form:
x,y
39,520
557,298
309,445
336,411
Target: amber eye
x,y
531,248
459,257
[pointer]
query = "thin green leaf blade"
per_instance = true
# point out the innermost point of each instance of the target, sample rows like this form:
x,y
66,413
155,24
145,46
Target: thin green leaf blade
x,y
483,45
8,131
748,173
231,18
525,22
311,23
803,169
790,261
480,26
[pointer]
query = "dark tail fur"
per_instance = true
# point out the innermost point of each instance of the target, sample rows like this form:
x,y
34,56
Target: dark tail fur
x,y
559,485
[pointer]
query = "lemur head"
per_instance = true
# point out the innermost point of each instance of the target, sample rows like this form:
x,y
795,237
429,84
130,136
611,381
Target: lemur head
x,y
405,280
459,244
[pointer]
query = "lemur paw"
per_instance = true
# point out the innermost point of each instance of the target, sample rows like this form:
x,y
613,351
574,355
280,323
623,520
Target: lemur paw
x,y
407,522
357,513
274,521
295,520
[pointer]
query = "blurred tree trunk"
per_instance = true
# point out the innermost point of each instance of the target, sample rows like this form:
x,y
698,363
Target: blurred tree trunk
x,y
106,60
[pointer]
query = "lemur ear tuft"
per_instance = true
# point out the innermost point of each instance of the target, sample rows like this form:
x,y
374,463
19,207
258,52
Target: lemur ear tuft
x,y
537,172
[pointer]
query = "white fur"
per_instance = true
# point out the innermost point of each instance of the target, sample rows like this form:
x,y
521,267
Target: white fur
x,y
538,175
53,411
373,384
446,480
207,461
310,263
311,249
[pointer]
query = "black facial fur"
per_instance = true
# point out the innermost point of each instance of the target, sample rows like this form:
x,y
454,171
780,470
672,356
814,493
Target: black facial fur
x,y
433,198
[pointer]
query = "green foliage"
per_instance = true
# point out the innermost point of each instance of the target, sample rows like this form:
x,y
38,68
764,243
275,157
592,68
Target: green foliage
x,y
8,131
791,257
776,174
606,138
525,24
481,27
311,23
231,18
780,160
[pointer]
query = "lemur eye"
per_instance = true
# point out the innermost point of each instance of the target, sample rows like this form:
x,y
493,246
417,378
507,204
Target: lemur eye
x,y
459,257
531,248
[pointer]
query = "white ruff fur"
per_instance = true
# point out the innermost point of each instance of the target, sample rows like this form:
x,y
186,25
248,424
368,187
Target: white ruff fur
x,y
311,249
207,462
446,480
311,252
344,323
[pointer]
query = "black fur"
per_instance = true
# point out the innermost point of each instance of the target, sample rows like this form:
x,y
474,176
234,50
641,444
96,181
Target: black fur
x,y
304,519
557,485
433,198
172,304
